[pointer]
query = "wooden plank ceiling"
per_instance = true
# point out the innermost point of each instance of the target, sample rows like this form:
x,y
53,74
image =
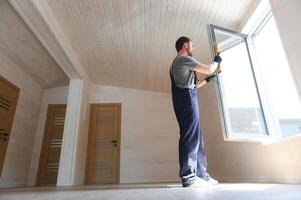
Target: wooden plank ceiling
x,y
130,43
19,44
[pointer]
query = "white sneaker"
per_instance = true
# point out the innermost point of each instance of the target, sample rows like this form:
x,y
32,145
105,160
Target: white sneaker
x,y
198,183
212,181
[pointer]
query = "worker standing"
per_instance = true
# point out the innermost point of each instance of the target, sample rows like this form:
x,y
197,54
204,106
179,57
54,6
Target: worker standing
x,y
183,73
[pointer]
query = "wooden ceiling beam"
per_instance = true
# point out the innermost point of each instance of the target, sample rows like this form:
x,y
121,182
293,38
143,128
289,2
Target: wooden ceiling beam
x,y
39,18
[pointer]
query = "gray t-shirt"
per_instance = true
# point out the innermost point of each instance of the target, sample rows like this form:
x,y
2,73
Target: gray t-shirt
x,y
182,71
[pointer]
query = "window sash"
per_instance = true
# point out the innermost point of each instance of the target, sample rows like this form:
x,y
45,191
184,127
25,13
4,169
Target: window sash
x,y
223,112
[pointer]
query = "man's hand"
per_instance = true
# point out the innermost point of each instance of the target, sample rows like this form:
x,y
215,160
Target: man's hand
x,y
209,78
200,83
206,80
217,58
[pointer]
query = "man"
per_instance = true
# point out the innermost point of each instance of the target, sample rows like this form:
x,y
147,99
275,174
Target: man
x,y
185,102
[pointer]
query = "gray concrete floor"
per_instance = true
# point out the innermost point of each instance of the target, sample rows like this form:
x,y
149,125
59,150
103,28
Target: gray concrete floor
x,y
157,191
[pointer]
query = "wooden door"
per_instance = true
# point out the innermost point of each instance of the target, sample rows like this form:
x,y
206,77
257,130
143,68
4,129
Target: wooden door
x,y
103,154
52,143
9,94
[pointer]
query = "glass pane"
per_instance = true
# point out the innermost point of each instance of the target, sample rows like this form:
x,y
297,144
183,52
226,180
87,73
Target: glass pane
x,y
278,81
242,108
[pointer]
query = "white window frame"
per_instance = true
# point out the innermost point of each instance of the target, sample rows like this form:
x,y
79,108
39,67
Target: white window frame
x,y
223,114
256,22
273,125
254,25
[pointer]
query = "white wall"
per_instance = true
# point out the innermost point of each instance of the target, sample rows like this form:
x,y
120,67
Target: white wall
x,y
149,134
74,146
252,161
56,95
288,19
82,137
18,156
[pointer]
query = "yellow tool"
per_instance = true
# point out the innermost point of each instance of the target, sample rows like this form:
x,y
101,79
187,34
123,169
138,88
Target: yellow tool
x,y
216,51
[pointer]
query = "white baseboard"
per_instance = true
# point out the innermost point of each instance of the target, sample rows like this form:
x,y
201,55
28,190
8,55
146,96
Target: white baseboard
x,y
285,180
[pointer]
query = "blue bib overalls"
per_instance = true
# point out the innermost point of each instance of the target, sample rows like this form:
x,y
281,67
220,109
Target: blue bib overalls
x,y
191,148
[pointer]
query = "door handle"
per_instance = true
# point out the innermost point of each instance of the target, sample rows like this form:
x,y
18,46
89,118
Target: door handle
x,y
114,141
3,135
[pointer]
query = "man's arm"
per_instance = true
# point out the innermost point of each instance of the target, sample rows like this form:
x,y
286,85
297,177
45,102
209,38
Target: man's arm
x,y
205,69
208,69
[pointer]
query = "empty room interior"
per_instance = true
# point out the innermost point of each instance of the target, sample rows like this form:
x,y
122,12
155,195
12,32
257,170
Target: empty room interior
x,y
91,99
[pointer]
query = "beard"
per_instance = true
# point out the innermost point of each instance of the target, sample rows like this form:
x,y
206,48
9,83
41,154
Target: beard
x,y
189,52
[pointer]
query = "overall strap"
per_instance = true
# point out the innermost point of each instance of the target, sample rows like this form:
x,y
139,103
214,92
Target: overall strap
x,y
170,72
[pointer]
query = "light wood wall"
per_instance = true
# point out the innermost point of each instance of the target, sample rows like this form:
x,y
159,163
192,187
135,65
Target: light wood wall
x,y
18,156
149,134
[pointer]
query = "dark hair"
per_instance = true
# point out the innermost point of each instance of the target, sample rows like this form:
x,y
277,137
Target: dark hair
x,y
180,42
